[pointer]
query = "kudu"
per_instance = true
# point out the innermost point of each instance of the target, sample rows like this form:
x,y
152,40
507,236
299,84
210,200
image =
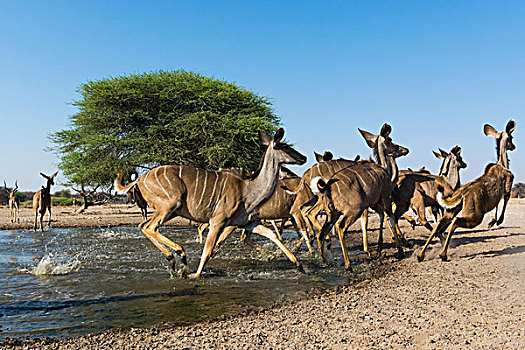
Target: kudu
x,y
14,203
480,196
306,206
353,189
224,200
42,201
425,185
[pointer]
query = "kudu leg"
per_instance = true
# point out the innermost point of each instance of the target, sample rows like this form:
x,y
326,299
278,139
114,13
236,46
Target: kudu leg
x,y
150,228
341,226
442,225
266,232
364,229
215,230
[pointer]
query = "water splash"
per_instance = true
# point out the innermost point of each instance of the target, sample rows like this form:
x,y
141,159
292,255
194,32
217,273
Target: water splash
x,y
56,265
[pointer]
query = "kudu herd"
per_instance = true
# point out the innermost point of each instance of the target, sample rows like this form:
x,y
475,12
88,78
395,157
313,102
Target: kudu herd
x,y
343,190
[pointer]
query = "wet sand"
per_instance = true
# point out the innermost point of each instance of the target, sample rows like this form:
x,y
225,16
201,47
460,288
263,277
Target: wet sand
x,y
474,301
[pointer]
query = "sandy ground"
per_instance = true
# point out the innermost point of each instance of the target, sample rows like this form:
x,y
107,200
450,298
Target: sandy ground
x,y
474,301
96,216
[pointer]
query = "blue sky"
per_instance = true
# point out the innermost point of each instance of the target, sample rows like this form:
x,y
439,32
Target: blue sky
x,y
436,71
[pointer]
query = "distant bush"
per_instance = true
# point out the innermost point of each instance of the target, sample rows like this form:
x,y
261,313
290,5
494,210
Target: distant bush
x,y
518,190
63,201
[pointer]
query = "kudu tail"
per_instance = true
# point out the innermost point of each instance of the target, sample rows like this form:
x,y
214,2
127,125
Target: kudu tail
x,y
120,188
449,202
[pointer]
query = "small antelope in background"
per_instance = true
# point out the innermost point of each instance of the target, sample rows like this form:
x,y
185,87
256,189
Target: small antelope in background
x,y
14,203
480,196
134,196
224,200
42,201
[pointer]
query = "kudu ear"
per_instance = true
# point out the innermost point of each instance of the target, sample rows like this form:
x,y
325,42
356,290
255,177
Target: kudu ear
x,y
490,131
278,135
511,125
265,139
318,157
369,138
438,155
54,175
45,176
386,129
444,154
356,159
456,151
327,156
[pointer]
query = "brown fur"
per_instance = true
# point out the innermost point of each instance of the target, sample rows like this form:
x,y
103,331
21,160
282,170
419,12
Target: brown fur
x,y
42,201
478,197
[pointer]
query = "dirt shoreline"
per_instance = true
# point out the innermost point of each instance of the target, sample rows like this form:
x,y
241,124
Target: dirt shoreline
x,y
474,301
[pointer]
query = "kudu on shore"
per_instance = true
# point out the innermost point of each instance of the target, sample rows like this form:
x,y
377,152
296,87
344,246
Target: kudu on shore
x,y
480,196
423,186
353,189
14,203
224,200
42,201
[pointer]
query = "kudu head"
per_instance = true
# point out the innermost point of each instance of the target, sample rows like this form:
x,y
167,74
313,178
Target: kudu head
x,y
452,163
385,150
282,152
503,141
50,179
13,191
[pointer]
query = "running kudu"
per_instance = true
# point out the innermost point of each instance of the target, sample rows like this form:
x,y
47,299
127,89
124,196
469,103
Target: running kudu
x,y
224,200
14,203
42,201
353,189
480,196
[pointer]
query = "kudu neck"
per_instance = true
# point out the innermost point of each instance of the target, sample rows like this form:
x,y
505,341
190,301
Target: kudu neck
x,y
452,178
261,187
503,158
389,163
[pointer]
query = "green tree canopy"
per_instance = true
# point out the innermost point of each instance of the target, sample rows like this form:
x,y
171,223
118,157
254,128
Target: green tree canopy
x,y
161,118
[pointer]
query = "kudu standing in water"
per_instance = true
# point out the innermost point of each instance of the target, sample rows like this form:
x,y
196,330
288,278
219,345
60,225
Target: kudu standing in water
x,y
480,196
14,203
42,201
353,189
224,200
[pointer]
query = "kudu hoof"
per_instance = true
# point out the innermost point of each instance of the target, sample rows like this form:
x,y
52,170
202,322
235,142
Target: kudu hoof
x,y
171,260
420,257
300,269
443,257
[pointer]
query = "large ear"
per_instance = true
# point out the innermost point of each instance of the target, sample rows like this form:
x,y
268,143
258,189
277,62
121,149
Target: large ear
x,y
44,175
318,157
369,138
327,156
511,125
438,155
265,139
55,174
444,154
356,159
386,130
490,131
278,135
456,150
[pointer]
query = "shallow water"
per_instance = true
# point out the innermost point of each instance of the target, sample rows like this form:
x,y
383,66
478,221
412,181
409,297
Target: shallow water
x,y
66,282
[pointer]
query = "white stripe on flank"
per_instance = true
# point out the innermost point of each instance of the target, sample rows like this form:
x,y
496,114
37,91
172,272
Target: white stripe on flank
x,y
166,176
363,183
196,185
145,181
203,188
180,172
214,185
160,185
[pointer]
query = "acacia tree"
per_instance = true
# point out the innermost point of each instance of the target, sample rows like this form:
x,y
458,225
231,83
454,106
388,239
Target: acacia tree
x,y
158,118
